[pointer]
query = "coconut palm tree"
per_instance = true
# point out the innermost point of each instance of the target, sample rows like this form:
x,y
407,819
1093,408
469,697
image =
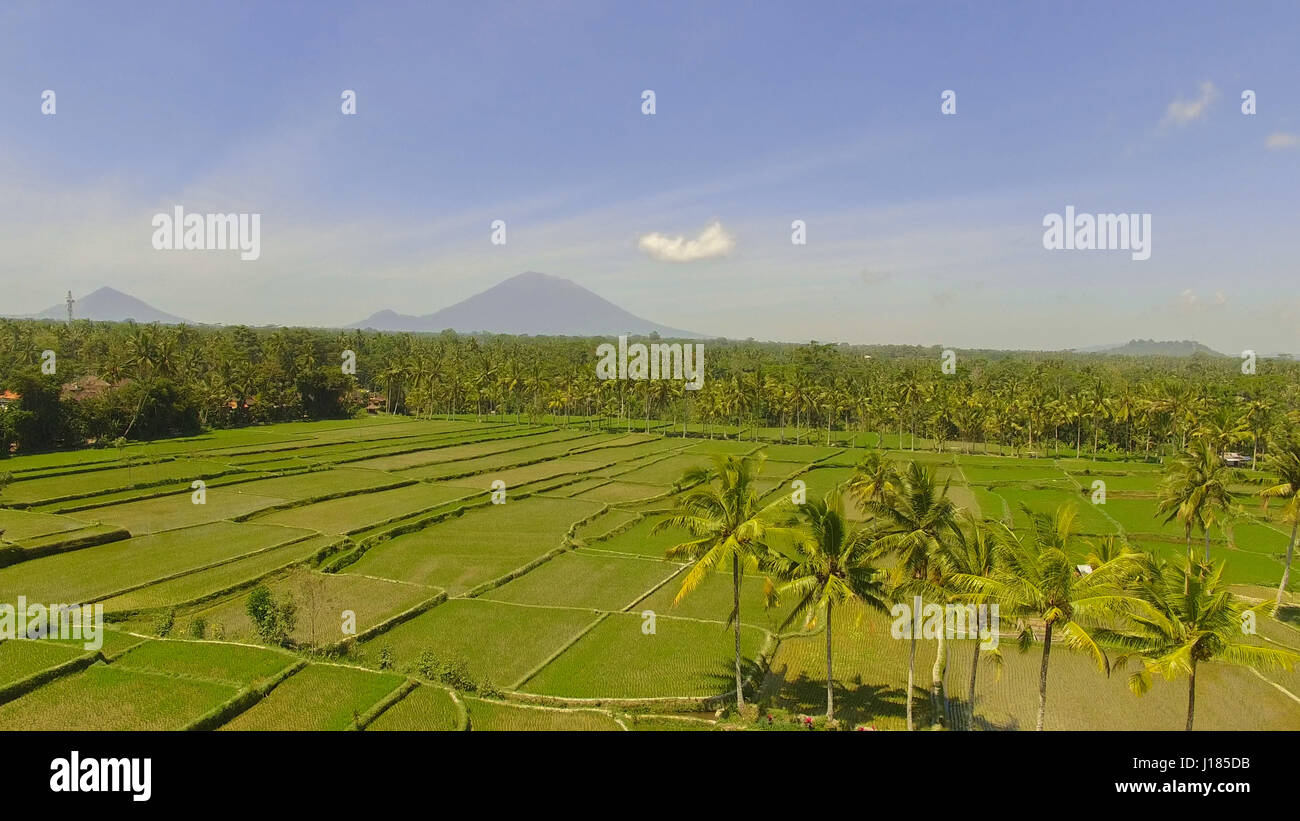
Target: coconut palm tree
x,y
973,554
1195,491
723,514
913,522
1285,465
875,478
1185,619
1037,582
828,564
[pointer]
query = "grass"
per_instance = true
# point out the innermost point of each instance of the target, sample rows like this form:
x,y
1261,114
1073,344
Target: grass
x,y
105,697
316,483
638,539
203,583
178,510
515,477
21,658
569,627
497,642
321,599
74,485
18,525
616,492
500,460
586,580
353,513
712,601
455,452
498,715
483,544
424,708
616,659
318,697
95,572
231,664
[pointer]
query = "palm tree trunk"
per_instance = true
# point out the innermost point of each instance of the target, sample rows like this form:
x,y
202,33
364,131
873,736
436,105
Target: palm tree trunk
x,y
830,670
1191,695
970,695
1286,568
735,600
936,680
1042,677
911,673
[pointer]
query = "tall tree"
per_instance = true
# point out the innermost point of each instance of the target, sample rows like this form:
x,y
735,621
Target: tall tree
x,y
1285,466
1185,619
912,523
723,514
1037,582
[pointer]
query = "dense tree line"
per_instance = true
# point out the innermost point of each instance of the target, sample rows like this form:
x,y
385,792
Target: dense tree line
x,y
167,380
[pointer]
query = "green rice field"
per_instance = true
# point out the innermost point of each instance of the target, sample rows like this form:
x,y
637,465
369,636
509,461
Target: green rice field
x,y
420,604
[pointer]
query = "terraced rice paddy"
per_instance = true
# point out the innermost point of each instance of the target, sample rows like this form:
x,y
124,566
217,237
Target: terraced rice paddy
x,y
556,610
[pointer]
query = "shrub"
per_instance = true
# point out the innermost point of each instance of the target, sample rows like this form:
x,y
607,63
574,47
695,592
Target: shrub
x,y
453,673
199,628
165,623
274,620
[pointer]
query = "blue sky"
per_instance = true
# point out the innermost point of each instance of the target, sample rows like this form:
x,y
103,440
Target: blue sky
x,y
922,228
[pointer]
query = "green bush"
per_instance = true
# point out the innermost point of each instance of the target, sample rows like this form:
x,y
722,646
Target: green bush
x,y
454,673
165,623
274,619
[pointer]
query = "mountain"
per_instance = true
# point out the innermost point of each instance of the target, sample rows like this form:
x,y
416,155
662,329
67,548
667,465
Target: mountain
x,y
109,305
529,303
1150,347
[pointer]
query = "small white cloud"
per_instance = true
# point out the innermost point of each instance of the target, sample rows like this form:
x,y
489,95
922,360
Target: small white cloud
x,y
1188,300
1282,140
1182,112
713,242
872,276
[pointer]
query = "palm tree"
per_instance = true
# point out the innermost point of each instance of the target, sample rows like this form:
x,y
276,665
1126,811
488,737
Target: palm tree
x,y
1184,620
1036,580
913,522
1195,491
973,554
728,527
829,564
1285,464
875,478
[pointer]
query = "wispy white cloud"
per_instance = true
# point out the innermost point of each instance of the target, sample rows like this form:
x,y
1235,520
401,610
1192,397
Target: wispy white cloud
x,y
1181,112
713,242
1281,139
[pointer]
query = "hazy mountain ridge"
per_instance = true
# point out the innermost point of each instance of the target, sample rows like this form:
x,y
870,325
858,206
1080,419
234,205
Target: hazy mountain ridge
x,y
529,303
109,305
1152,347
536,304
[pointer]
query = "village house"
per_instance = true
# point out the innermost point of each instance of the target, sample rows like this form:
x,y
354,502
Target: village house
x,y
90,387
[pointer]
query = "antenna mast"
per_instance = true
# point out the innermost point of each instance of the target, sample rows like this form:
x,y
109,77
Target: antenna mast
x,y
70,301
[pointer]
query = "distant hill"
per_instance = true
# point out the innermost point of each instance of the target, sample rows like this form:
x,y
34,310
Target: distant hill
x,y
109,305
528,303
1151,347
